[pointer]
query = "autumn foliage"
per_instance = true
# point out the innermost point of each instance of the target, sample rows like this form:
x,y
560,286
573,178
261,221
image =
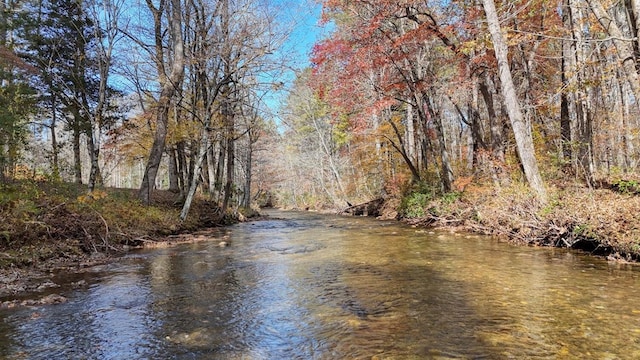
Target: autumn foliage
x,y
417,91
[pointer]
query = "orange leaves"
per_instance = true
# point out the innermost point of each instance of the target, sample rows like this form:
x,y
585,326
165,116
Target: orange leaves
x,y
462,182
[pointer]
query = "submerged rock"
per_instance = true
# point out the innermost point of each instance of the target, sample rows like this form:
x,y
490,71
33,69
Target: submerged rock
x,y
47,284
52,299
47,300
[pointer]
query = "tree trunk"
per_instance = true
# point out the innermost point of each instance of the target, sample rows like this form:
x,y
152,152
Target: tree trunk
x,y
246,196
495,123
195,180
204,173
477,141
77,164
55,163
446,176
94,172
211,168
169,87
633,9
401,148
182,168
565,118
220,171
153,163
524,140
627,148
228,187
174,183
410,134
580,110
625,51
93,138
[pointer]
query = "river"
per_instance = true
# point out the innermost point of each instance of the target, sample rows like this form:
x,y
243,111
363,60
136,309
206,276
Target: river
x,y
311,286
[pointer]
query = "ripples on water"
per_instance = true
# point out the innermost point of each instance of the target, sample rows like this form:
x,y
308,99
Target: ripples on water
x,y
311,286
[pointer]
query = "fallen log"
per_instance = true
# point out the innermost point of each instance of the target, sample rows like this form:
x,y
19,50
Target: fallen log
x,y
369,208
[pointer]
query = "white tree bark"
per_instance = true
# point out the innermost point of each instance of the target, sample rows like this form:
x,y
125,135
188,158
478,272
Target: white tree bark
x,y
624,47
522,132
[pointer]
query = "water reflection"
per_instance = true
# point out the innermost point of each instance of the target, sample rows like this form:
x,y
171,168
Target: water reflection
x,y
111,320
313,286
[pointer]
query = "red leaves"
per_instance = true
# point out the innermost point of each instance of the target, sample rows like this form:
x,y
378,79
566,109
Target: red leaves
x,y
378,55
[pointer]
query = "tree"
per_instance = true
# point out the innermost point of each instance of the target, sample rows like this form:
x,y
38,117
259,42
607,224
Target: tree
x,y
16,104
230,47
521,129
391,56
625,52
169,81
66,45
105,14
321,141
16,94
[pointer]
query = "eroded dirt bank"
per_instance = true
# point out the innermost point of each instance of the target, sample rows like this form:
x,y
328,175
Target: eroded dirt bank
x,y
51,227
67,236
603,221
37,284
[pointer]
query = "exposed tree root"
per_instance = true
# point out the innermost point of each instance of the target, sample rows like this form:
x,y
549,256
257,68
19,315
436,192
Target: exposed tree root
x,y
601,222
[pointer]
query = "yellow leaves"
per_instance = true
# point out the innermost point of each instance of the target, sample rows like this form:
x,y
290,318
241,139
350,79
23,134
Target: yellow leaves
x,y
183,130
134,138
386,129
564,352
96,195
516,38
470,47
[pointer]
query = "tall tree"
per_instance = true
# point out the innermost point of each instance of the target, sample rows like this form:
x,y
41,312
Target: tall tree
x,y
521,129
625,52
16,94
58,40
169,80
105,15
231,46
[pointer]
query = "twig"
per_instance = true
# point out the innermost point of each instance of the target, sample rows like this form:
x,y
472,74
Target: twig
x,y
106,232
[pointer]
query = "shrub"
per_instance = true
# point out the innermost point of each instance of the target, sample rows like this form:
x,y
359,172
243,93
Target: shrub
x,y
414,204
627,187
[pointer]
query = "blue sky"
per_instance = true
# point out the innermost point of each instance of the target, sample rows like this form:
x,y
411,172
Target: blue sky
x,y
302,19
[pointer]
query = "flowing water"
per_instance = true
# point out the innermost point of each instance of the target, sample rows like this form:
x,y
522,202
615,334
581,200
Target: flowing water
x,y
309,286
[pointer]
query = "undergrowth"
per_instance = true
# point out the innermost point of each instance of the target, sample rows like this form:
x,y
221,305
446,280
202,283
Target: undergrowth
x,y
44,220
602,221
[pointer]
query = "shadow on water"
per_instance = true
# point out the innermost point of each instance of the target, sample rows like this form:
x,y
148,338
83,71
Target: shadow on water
x,y
282,298
320,287
415,313
243,316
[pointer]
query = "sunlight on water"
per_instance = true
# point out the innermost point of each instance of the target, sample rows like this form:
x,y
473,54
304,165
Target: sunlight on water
x,y
307,286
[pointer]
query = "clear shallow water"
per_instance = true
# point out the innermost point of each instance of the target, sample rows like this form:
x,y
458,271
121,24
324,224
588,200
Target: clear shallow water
x,y
310,286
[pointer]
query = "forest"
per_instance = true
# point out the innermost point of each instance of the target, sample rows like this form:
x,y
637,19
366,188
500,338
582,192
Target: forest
x,y
515,118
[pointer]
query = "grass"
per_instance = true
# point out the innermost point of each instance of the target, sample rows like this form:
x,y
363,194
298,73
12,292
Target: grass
x,y
54,220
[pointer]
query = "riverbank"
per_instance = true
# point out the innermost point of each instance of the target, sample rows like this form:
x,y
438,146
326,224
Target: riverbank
x,y
603,221
54,226
50,226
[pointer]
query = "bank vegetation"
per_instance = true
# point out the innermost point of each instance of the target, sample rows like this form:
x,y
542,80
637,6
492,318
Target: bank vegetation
x,y
55,224
518,119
